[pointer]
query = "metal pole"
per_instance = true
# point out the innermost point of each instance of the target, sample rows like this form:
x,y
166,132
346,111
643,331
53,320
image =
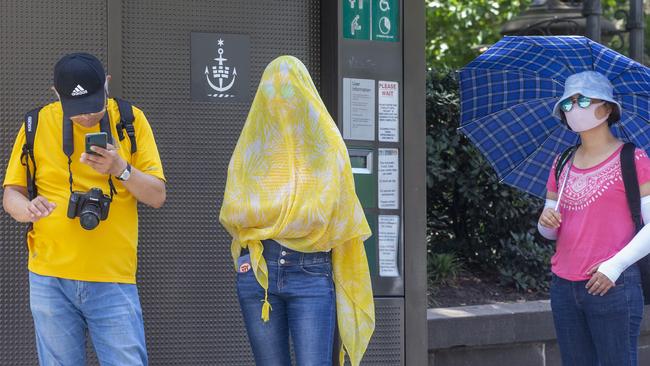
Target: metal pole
x,y
415,154
592,10
636,24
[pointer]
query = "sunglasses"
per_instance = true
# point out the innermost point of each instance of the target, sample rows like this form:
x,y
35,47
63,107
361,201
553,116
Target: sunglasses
x,y
583,102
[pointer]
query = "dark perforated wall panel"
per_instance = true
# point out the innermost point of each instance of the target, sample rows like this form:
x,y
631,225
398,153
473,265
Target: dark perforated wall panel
x,y
387,345
187,282
32,38
186,279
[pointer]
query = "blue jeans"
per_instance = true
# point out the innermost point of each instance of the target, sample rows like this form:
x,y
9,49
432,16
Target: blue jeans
x,y
598,330
63,310
302,297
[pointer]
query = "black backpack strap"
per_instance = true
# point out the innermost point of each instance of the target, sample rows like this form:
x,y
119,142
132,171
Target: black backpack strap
x,y
562,161
27,156
126,122
633,196
632,192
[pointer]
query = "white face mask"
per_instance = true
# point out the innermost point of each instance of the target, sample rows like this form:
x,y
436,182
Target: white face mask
x,y
583,119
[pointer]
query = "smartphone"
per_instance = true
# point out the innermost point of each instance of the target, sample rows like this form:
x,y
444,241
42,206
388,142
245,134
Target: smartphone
x,y
96,139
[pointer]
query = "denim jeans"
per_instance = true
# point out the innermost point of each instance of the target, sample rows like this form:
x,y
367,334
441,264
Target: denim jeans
x,y
598,330
64,310
302,297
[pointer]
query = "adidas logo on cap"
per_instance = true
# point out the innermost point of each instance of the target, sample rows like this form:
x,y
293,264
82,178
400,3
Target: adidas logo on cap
x,y
79,90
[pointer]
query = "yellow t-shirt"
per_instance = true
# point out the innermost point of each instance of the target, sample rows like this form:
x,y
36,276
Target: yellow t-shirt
x,y
59,246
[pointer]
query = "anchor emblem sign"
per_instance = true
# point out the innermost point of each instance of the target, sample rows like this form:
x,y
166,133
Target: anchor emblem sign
x,y
220,67
220,72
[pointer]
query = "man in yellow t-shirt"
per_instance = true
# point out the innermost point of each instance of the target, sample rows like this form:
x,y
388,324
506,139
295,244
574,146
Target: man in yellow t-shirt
x,y
82,278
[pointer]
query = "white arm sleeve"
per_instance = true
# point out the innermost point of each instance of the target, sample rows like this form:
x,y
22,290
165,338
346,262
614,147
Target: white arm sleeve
x,y
636,249
547,232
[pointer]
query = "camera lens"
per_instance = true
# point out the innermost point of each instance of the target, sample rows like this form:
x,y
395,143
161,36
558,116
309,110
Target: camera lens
x,y
91,207
89,216
89,220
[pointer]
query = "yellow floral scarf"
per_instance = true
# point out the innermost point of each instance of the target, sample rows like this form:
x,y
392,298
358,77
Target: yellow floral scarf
x,y
290,180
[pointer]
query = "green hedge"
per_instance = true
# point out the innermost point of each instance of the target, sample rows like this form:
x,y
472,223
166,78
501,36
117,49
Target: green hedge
x,y
489,227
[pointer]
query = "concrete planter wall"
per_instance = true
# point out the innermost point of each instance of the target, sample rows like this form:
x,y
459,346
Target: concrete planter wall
x,y
502,334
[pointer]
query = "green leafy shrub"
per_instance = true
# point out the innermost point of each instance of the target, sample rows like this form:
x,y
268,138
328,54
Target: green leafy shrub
x,y
489,226
443,268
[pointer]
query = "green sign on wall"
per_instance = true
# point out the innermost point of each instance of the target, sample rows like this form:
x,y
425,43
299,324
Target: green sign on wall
x,y
356,19
385,20
376,20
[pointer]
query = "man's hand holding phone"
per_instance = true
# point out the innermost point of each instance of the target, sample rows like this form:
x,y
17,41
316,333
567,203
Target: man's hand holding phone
x,y
102,156
99,139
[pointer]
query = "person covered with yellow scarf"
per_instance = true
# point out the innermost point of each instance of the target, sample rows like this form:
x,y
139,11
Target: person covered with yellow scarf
x,y
297,226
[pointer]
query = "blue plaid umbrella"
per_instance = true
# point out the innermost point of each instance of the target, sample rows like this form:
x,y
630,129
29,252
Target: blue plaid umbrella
x,y
508,94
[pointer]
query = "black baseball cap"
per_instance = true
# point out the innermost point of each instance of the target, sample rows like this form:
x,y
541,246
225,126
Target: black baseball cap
x,y
79,79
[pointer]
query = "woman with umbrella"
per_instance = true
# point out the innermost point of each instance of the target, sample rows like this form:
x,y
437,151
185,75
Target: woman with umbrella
x,y
596,294
523,102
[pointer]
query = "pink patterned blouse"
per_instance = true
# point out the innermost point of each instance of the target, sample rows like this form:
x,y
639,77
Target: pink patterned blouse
x,y
596,221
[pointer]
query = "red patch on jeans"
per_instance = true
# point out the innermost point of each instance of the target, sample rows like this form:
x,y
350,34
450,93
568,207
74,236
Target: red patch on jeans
x,y
245,267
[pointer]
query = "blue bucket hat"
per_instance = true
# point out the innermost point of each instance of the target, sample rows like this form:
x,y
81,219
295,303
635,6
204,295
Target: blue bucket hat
x,y
591,84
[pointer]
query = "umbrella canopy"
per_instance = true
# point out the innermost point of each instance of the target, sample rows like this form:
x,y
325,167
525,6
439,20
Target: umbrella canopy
x,y
508,94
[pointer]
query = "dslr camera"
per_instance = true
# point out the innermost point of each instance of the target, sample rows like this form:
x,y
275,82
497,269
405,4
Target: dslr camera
x,y
91,207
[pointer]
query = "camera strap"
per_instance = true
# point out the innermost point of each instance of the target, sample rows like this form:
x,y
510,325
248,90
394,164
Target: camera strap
x,y
68,146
